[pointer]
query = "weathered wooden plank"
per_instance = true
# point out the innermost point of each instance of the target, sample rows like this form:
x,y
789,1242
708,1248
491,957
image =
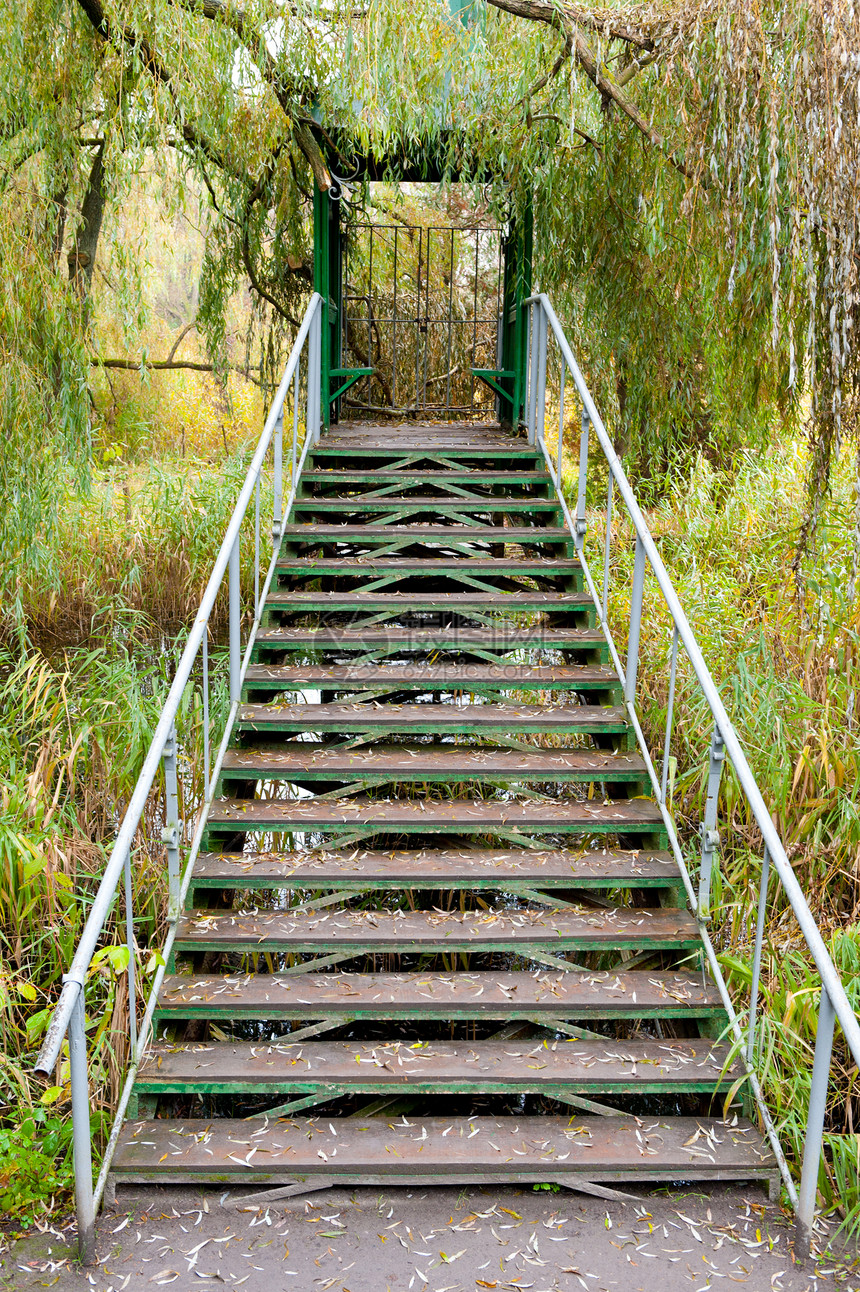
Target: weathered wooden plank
x,y
588,929
382,475
427,763
636,993
429,677
449,816
423,602
429,718
440,534
502,637
573,1066
480,868
369,565
350,503
511,1148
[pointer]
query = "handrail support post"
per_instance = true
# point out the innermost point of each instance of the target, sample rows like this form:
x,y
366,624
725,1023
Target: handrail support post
x,y
81,1141
580,523
636,594
708,831
170,835
234,615
278,482
815,1125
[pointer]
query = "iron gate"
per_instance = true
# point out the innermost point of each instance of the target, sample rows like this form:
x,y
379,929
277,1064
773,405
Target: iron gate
x,y
421,306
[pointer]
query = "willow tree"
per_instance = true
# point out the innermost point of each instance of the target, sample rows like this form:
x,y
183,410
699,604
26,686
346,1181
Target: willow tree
x,y
693,167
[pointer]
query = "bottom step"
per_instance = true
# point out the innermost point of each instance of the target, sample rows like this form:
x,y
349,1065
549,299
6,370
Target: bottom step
x,y
439,1150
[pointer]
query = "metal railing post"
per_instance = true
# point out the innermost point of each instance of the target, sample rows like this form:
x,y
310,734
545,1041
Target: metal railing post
x,y
815,1123
670,710
560,450
129,942
579,523
756,968
295,426
82,1146
607,547
233,597
171,833
635,622
278,471
257,549
708,829
204,648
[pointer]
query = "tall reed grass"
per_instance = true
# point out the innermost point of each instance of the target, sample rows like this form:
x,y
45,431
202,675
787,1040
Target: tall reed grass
x,y
785,659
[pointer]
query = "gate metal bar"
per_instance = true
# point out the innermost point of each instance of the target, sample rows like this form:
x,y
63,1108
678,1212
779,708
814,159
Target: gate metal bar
x,y
416,312
834,1003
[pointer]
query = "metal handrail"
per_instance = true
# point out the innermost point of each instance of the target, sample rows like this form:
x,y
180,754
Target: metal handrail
x,y
68,1015
834,1001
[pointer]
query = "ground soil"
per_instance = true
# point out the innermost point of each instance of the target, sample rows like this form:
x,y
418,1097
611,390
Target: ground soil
x,y
432,1240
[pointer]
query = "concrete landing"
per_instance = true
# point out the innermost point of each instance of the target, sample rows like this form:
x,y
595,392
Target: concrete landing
x,y
436,1240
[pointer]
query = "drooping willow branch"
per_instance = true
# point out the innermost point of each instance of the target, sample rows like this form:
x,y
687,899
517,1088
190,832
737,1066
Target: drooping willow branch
x,y
539,11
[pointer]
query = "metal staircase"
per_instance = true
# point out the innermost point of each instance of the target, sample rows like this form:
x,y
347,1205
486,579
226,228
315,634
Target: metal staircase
x,y
433,921
435,925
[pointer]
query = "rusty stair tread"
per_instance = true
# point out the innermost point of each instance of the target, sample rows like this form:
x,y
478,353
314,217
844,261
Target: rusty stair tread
x,y
634,993
405,931
578,1066
440,502
435,867
436,815
366,1150
418,601
512,451
501,637
427,533
351,475
368,565
422,762
535,677
453,718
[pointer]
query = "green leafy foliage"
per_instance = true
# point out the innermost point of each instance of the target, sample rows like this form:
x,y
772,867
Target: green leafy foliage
x,y
35,1166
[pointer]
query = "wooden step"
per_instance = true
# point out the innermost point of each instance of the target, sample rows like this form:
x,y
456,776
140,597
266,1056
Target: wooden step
x,y
452,719
431,816
442,763
356,932
383,476
499,454
496,637
429,602
442,1149
404,429
367,566
479,868
566,1066
634,993
429,677
443,535
353,504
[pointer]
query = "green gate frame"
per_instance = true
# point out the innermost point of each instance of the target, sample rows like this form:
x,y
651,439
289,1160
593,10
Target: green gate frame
x,y
507,381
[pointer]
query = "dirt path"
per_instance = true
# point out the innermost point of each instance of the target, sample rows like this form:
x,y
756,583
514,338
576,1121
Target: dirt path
x,y
436,1240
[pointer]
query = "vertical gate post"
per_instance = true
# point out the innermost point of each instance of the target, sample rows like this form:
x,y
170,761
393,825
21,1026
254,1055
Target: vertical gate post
x,y
513,320
328,281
